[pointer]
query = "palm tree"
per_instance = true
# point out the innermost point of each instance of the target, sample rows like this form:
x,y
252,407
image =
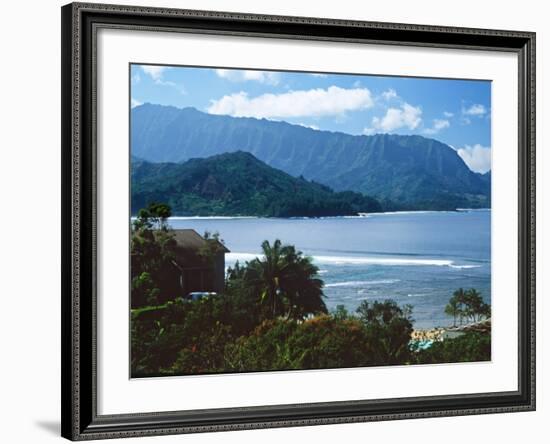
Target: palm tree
x,y
453,309
467,304
485,311
477,307
459,297
302,290
286,282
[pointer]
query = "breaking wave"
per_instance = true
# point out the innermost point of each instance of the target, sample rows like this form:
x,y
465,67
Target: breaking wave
x,y
361,260
369,260
360,283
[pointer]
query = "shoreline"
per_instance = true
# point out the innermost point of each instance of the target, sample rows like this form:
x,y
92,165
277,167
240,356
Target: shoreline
x,y
358,216
442,333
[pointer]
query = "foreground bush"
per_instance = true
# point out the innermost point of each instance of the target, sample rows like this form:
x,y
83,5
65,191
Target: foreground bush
x,y
161,335
471,347
320,342
215,335
223,334
193,333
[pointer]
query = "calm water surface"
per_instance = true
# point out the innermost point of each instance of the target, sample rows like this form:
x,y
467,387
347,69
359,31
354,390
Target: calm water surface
x,y
416,258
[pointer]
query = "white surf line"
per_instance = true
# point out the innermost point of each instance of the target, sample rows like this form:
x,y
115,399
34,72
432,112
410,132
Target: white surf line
x,y
364,260
210,217
360,283
388,213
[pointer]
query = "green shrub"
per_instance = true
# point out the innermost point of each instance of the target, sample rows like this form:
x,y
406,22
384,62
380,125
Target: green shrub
x,y
471,347
161,335
325,341
320,342
266,348
388,329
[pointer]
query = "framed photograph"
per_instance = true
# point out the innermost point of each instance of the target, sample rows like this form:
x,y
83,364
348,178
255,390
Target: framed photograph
x,y
280,221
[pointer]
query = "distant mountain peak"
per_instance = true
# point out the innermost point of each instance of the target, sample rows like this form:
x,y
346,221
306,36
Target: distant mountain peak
x,y
409,172
193,110
238,184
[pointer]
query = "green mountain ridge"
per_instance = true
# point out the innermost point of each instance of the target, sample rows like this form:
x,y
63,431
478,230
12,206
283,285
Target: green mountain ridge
x,y
238,184
403,172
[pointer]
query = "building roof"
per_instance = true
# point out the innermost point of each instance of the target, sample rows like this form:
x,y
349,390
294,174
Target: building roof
x,y
190,239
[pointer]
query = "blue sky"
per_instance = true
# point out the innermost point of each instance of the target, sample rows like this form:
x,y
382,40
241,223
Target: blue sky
x,y
456,112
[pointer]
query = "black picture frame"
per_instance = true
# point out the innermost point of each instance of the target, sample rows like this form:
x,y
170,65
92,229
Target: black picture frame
x,y
80,22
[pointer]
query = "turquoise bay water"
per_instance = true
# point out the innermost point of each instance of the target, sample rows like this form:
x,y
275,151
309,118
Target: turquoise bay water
x,y
416,258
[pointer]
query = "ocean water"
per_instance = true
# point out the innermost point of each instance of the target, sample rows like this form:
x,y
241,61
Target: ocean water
x,y
416,258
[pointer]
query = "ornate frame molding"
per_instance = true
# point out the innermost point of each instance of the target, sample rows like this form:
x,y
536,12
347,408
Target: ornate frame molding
x,y
80,22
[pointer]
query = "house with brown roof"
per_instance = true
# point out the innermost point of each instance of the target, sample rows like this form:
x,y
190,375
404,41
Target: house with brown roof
x,y
199,264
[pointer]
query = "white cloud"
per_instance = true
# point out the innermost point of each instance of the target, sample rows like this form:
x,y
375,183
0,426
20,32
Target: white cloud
x,y
448,114
314,102
136,78
318,74
438,125
389,94
477,157
476,109
155,72
135,103
237,75
314,127
407,116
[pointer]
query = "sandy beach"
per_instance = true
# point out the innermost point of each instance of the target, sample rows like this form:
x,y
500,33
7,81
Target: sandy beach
x,y
440,333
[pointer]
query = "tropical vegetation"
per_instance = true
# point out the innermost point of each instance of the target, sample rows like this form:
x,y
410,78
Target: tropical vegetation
x,y
403,172
238,184
270,316
467,306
